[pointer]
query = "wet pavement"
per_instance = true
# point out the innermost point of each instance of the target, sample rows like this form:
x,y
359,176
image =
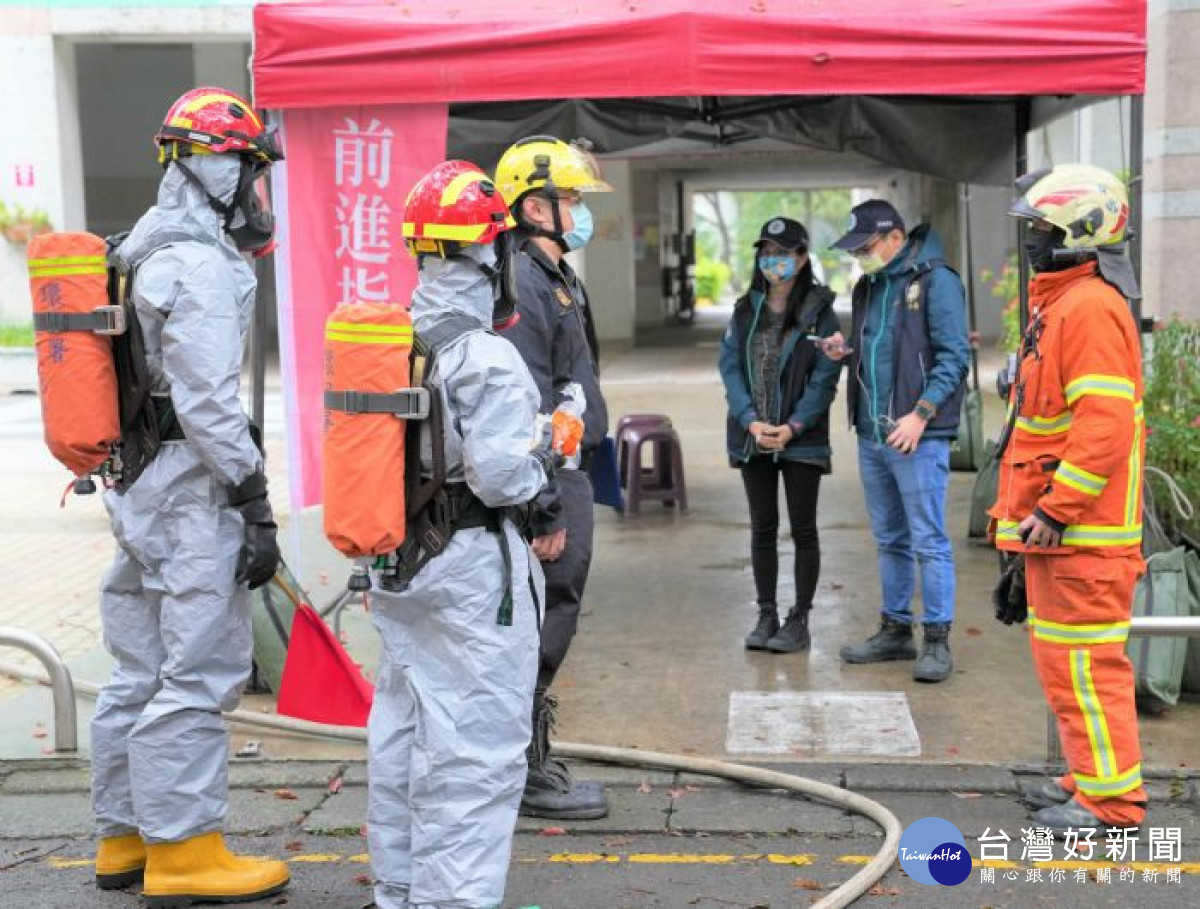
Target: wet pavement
x,y
671,840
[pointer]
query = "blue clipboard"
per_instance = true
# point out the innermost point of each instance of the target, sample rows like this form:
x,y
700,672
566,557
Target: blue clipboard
x,y
606,475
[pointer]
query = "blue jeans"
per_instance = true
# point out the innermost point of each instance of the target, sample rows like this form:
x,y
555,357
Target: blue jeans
x,y
906,501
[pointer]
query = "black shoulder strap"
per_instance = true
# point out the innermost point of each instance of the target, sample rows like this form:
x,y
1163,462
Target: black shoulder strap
x,y
426,347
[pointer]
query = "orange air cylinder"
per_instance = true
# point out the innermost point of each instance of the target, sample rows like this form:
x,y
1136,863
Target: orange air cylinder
x,y
68,276
367,347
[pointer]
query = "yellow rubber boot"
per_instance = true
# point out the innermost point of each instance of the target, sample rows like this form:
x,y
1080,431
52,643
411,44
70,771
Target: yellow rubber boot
x,y
120,861
203,870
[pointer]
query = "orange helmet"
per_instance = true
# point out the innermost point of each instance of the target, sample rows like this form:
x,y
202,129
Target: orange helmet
x,y
216,121
454,205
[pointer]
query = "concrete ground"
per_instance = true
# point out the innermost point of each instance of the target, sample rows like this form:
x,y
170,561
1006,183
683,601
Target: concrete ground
x,y
671,841
658,664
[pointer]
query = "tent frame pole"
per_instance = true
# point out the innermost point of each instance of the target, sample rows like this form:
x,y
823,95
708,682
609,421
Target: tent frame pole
x,y
1024,112
1136,152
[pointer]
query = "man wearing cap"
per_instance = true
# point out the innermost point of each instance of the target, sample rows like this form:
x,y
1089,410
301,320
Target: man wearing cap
x,y
908,357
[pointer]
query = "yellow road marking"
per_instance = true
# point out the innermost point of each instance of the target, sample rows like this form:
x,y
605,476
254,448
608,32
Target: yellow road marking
x,y
684,858
56,862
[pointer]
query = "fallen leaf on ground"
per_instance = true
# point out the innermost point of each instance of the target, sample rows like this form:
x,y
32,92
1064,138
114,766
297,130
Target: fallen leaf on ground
x,y
364,879
953,749
293,846
286,794
967,795
973,632
552,831
335,785
645,788
881,890
807,883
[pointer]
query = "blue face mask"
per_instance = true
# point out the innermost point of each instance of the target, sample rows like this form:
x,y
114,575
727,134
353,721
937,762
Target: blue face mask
x,y
777,269
579,235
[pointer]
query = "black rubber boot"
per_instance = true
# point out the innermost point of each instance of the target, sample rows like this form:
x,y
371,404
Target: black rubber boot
x,y
893,641
1044,793
793,634
550,791
935,664
768,624
1070,815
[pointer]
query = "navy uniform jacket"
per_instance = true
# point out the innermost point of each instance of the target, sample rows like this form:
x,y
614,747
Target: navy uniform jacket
x,y
556,337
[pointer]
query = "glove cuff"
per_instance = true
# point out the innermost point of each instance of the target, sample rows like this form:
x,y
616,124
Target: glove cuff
x,y
251,488
1053,523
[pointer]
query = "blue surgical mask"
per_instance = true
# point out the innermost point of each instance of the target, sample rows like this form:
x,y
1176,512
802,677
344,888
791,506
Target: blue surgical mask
x,y
777,269
579,235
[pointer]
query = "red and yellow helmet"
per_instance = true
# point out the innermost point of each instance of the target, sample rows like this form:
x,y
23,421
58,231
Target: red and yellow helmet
x,y
1090,204
215,121
454,205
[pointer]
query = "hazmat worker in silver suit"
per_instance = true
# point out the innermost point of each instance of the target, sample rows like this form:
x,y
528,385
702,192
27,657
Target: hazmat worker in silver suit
x,y
451,716
194,529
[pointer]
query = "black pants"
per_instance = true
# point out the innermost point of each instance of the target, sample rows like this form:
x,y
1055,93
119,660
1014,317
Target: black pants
x,y
801,484
567,576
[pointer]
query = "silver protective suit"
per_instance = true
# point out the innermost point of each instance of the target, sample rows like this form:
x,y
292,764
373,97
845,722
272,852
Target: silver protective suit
x,y
174,619
451,716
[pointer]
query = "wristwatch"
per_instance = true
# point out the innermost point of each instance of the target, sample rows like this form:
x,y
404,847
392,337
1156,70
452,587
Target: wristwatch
x,y
925,410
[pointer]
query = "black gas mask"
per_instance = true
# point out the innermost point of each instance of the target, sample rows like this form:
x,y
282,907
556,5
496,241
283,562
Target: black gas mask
x,y
247,218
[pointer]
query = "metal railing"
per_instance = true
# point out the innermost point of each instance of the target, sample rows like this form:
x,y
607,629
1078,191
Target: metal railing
x,y
66,735
1140,626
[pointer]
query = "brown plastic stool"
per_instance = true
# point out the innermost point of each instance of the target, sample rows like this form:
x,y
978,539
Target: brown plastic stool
x,y
665,481
642,421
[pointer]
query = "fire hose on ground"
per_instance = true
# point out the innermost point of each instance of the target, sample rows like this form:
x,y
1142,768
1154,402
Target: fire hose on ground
x,y
844,895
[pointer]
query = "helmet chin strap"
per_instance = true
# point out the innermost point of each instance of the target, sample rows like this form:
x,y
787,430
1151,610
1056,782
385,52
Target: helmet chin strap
x,y
536,230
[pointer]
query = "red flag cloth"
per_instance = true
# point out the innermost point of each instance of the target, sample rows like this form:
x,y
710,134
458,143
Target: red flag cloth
x,y
320,54
320,681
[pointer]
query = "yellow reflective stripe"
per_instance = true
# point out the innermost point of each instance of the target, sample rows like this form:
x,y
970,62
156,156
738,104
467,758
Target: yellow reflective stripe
x,y
68,270
1057,633
463,233
1105,386
367,339
455,187
1139,411
369,329
1097,535
1085,481
1109,786
214,98
68,260
1046,426
1103,755
1134,487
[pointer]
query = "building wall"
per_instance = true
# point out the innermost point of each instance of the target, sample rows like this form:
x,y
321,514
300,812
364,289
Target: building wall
x,y
1171,226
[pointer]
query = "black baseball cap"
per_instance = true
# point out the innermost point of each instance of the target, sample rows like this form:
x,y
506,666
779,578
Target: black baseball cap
x,y
868,219
784,232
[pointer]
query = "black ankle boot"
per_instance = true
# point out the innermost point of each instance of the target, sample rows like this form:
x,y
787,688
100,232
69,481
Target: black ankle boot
x,y
793,634
935,664
550,790
893,641
768,624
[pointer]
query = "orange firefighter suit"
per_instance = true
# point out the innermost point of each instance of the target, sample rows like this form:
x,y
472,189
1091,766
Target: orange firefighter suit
x,y
1076,455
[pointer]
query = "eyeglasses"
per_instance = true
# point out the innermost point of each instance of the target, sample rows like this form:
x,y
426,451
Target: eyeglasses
x,y
863,251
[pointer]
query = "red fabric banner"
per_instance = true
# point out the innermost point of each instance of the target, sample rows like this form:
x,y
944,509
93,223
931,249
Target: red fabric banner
x,y
340,203
311,54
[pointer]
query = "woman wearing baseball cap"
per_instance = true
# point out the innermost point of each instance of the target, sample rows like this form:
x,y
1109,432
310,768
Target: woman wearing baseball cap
x,y
779,393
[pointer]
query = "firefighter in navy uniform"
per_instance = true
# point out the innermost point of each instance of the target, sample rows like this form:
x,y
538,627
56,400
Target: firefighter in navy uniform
x,y
543,180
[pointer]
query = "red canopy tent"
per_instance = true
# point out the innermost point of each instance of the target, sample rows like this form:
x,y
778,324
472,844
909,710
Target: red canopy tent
x,y
947,87
316,55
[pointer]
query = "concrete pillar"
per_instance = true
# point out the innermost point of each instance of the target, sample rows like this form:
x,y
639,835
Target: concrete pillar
x,y
224,65
31,157
609,259
1171,219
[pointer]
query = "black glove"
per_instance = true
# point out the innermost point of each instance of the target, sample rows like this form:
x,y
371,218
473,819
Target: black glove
x,y
260,556
1008,598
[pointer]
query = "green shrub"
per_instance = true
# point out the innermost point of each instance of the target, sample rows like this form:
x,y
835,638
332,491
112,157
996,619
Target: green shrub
x,y
1004,287
16,335
1173,413
711,279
